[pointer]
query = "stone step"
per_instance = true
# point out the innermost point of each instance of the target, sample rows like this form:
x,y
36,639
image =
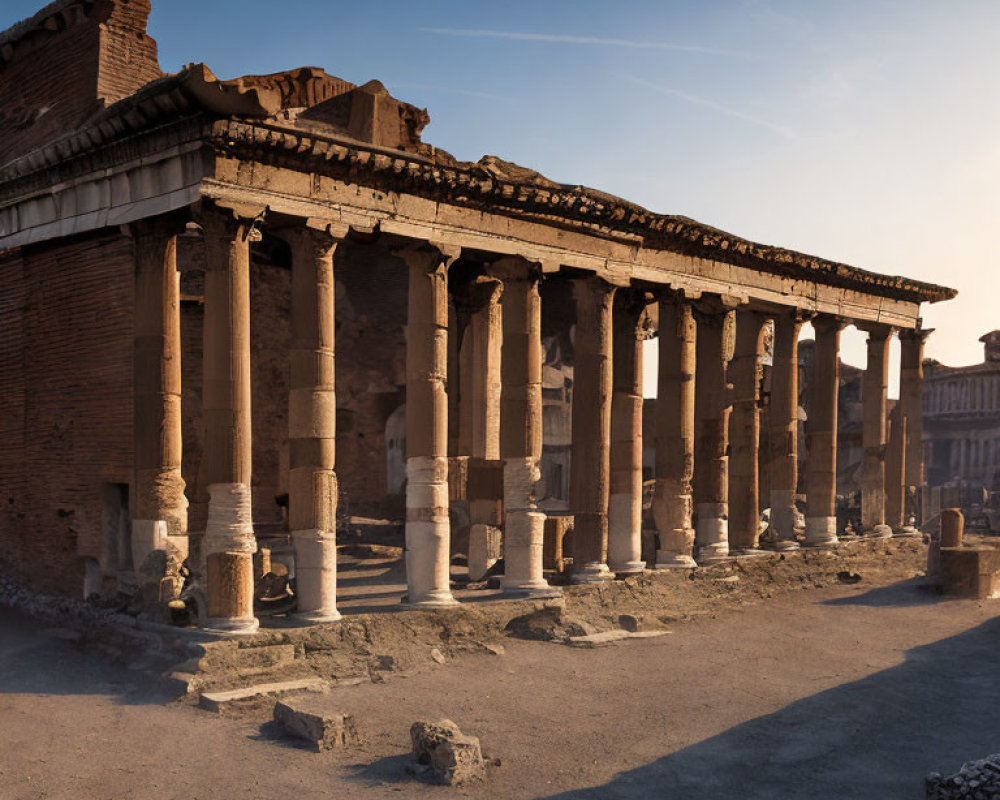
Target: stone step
x,y
219,701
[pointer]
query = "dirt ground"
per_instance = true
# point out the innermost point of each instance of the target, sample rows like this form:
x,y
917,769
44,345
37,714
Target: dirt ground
x,y
843,691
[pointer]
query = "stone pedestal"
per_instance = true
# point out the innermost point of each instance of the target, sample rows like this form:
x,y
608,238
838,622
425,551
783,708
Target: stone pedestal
x,y
716,339
590,472
744,434
672,502
874,396
428,532
784,420
159,505
229,541
625,501
312,423
521,429
821,436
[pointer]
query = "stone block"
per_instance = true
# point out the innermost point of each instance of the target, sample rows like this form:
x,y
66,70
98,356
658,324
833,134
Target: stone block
x,y
311,720
219,701
443,752
970,572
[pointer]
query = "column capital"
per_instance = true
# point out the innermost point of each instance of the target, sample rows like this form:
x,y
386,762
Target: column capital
x,y
317,236
477,293
162,226
715,306
915,334
428,255
221,222
877,331
515,268
828,323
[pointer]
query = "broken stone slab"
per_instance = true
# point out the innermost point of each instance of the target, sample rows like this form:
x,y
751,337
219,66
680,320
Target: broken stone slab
x,y
605,638
219,701
312,720
442,752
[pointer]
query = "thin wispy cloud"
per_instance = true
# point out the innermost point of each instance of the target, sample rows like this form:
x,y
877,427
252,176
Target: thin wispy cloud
x,y
781,130
560,38
429,87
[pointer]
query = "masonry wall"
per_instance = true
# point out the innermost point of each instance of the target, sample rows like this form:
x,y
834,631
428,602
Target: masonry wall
x,y
65,403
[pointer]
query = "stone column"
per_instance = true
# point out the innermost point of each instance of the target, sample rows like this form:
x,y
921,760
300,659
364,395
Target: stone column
x,y
521,429
312,422
428,531
874,396
229,542
784,418
911,392
590,455
821,435
744,433
625,500
895,473
159,508
716,340
672,504
479,408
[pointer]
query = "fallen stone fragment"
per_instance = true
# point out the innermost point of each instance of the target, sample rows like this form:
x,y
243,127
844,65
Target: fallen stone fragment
x,y
310,719
437,655
605,638
442,752
495,649
218,701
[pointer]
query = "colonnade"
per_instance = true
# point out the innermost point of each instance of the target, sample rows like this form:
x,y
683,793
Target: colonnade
x,y
707,429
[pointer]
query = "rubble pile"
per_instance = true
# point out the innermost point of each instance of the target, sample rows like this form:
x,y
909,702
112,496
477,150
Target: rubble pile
x,y
978,780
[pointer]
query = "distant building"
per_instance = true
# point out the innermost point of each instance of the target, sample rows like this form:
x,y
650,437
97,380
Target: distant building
x,y
962,420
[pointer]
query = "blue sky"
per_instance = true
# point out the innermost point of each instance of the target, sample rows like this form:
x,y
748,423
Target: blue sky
x,y
866,132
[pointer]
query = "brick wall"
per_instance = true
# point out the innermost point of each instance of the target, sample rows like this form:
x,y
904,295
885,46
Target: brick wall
x,y
59,70
66,402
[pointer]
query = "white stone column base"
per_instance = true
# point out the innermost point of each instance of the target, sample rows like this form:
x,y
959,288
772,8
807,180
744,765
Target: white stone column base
x,y
223,626
879,532
428,533
625,534
483,547
524,533
711,535
667,559
147,535
821,532
591,573
315,576
747,552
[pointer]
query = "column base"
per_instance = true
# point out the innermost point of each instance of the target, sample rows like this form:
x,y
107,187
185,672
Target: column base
x,y
431,602
747,552
591,573
628,568
316,617
712,554
711,536
223,626
668,560
538,591
821,532
879,532
907,532
780,546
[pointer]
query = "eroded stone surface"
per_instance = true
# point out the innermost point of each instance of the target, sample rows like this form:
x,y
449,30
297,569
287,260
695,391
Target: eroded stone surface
x,y
442,752
311,719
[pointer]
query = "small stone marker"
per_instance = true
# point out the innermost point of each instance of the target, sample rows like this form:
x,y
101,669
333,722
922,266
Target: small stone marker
x,y
443,752
310,719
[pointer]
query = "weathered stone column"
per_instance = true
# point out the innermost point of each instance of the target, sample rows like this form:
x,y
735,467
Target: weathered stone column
x,y
911,399
159,507
590,466
226,462
521,429
716,340
784,418
821,435
428,532
479,408
672,504
312,421
744,433
625,500
895,473
874,397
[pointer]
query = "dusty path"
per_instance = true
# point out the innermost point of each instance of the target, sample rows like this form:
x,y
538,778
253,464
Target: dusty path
x,y
831,693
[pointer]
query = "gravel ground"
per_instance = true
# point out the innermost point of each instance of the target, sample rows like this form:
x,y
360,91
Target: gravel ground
x,y
850,691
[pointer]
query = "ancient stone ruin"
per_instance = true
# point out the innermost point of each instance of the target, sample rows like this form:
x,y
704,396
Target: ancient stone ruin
x,y
182,258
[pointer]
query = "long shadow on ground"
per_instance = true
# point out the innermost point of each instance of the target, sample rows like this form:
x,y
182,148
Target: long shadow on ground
x,y
35,660
876,738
